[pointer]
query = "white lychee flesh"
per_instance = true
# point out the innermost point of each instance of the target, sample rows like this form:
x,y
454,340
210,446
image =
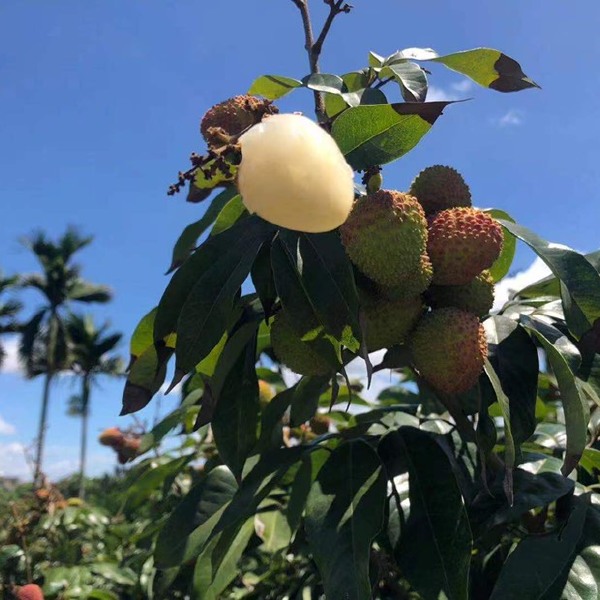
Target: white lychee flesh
x,y
293,175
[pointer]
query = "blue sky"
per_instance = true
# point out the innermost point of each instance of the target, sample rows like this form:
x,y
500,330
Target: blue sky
x,y
100,103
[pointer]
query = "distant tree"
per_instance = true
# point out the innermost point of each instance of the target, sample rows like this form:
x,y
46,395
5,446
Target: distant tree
x,y
44,344
90,347
8,311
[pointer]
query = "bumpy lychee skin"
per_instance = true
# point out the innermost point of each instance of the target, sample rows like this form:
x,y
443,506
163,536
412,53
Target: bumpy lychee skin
x,y
476,297
462,242
112,436
294,175
440,187
289,348
448,349
385,236
231,117
31,591
388,322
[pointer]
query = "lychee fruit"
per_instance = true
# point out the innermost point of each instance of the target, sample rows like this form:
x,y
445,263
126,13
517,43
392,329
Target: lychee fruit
x,y
319,424
265,392
112,436
31,591
388,322
440,187
385,236
462,242
476,297
294,175
128,450
232,117
300,356
448,349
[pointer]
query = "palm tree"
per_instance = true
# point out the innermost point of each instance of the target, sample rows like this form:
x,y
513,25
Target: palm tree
x,y
89,348
44,341
8,311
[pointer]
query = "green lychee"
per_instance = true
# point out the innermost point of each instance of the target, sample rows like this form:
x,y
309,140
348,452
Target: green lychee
x,y
300,356
388,322
385,236
230,118
440,187
462,242
448,349
476,297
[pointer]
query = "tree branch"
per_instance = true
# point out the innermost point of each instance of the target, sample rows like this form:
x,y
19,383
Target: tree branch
x,y
314,48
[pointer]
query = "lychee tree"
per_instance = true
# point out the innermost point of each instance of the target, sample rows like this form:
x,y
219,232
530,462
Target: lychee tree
x,y
473,475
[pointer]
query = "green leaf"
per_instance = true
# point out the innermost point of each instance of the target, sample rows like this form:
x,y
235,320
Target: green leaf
x,y
273,87
379,134
235,420
581,580
152,479
509,442
530,492
322,82
146,376
262,278
208,307
212,575
546,556
501,266
326,278
187,240
564,359
112,572
273,529
514,357
550,286
489,68
411,78
434,551
303,481
201,262
574,270
375,60
183,535
305,399
344,513
232,212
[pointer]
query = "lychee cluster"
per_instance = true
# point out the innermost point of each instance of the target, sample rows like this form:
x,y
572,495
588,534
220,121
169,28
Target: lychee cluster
x,y
125,443
421,263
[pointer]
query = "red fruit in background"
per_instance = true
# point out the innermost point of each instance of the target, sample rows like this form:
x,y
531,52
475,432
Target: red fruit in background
x,y
31,591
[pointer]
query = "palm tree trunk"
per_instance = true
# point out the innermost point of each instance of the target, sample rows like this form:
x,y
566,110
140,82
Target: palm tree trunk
x,y
41,439
85,398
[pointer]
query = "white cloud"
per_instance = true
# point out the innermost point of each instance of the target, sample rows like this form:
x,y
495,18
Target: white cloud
x,y
511,119
536,271
464,85
11,363
6,428
436,94
13,462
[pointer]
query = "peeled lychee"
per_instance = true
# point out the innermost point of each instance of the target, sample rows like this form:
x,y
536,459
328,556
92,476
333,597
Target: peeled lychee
x,y
385,236
230,118
462,243
476,297
31,591
448,349
439,187
293,175
298,355
388,322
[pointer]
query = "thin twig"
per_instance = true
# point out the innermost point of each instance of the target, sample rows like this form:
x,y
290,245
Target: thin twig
x,y
383,82
314,48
